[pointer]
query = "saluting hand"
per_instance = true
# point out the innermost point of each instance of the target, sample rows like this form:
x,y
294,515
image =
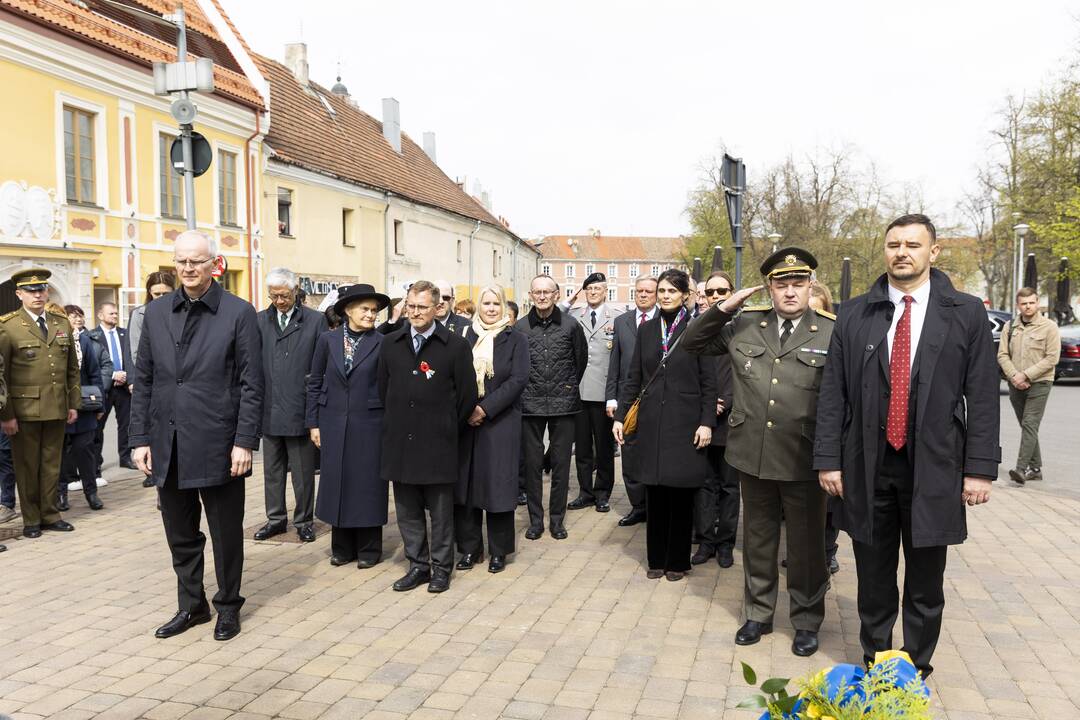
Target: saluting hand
x,y
736,301
832,482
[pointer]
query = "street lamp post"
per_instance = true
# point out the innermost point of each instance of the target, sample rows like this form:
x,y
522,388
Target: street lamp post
x,y
1019,231
733,179
775,239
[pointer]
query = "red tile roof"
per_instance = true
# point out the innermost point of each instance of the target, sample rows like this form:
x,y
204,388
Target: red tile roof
x,y
128,34
348,144
611,248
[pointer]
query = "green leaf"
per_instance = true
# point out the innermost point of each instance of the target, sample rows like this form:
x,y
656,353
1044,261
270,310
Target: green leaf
x,y
753,702
749,675
786,704
782,693
774,685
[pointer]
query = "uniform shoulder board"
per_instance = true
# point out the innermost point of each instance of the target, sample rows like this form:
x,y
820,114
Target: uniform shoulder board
x,y
757,308
56,314
826,313
7,316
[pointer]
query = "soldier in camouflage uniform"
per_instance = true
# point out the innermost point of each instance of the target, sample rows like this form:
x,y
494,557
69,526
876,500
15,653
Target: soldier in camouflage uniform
x,y
778,354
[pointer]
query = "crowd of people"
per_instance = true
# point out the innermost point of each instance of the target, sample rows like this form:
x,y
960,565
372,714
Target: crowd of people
x,y
882,422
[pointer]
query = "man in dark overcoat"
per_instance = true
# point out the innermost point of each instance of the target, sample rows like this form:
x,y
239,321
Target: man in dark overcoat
x,y
289,331
196,418
109,335
907,434
428,386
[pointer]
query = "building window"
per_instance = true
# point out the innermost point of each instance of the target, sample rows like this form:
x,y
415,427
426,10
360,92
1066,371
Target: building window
x,y
630,292
634,272
347,228
654,270
495,263
545,269
227,187
459,250
569,292
612,270
284,212
172,183
569,270
399,237
79,166
230,280
611,294
589,269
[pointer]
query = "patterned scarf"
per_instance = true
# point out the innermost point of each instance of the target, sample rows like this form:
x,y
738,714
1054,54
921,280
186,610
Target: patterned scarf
x,y
351,341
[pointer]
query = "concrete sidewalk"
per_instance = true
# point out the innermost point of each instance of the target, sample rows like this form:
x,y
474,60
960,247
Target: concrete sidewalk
x,y
572,629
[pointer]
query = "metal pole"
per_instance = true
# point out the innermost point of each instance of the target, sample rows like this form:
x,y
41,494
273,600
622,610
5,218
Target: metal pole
x,y
185,130
738,242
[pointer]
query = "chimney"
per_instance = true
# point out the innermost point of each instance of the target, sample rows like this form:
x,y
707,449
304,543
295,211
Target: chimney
x,y
296,60
391,123
485,200
429,146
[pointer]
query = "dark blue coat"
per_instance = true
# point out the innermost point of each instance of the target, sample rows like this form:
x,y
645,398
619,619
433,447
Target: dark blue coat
x,y
491,453
348,412
89,374
286,360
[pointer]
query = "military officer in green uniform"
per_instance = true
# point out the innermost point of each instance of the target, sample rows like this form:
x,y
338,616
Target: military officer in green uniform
x,y
778,354
41,370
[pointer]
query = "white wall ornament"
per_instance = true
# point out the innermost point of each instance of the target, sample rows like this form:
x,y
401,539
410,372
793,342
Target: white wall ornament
x,y
28,212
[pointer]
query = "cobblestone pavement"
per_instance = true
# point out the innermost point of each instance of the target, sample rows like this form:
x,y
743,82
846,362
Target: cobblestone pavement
x,y
572,629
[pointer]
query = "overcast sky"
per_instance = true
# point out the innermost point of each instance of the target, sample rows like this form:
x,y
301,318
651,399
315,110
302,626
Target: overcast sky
x,y
576,117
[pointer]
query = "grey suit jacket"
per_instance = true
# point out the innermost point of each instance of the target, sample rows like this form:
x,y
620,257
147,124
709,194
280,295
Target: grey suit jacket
x,y
600,339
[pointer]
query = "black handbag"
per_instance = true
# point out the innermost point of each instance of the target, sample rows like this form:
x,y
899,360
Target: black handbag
x,y
93,400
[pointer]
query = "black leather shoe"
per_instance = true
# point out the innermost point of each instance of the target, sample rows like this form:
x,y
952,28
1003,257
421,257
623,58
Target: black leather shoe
x,y
497,564
725,558
412,580
1018,476
306,533
365,564
183,621
703,554
59,526
632,518
129,465
522,499
148,482
269,530
580,503
3,548
468,560
603,506
558,533
834,567
338,561
805,643
31,531
62,502
751,632
94,502
440,582
534,533
227,626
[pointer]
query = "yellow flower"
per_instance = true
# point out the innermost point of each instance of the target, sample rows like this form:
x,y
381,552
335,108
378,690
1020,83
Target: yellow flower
x,y
885,655
813,711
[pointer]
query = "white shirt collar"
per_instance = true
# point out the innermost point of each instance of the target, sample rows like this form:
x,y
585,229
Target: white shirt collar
x,y
426,334
649,314
33,316
600,310
920,295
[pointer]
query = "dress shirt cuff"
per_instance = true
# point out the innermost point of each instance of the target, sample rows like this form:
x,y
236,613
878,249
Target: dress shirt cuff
x,y
612,404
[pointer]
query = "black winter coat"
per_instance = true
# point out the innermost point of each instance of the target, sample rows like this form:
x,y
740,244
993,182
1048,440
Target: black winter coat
x,y
558,356
424,416
681,399
954,410
89,374
725,390
349,414
491,453
202,386
286,361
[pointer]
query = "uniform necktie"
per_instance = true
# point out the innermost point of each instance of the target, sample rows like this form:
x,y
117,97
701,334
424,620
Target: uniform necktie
x,y
282,321
594,318
114,348
642,320
44,330
900,379
787,328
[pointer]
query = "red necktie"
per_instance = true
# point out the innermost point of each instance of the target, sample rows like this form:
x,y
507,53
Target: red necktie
x,y
900,379
642,321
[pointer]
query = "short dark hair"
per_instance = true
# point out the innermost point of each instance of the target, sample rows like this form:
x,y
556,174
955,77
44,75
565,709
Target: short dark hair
x,y
1026,292
107,303
74,310
513,308
723,276
159,277
424,286
914,219
676,277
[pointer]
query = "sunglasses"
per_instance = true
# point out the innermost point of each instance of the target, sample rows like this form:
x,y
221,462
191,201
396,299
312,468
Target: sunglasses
x,y
447,298
717,291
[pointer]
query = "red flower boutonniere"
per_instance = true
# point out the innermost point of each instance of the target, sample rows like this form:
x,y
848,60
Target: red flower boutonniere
x,y
426,369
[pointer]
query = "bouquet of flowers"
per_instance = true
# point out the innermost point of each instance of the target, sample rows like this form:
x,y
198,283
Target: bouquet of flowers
x,y
891,689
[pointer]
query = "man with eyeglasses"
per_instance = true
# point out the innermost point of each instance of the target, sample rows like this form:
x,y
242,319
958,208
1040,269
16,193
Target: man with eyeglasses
x,y
622,351
196,419
289,331
444,312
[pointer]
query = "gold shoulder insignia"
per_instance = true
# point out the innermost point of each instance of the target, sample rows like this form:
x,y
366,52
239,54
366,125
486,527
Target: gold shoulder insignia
x,y
826,314
56,314
757,308
8,316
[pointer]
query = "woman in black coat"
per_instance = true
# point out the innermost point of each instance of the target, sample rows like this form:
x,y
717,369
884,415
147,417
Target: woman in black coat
x,y
78,462
492,443
345,417
674,426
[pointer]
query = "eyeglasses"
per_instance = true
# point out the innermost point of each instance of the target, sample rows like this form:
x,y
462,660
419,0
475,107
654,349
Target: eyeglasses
x,y
542,293
190,264
717,291
281,296
417,308
447,298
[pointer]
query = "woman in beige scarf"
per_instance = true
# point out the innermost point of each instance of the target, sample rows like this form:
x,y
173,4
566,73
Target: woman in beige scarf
x,y
488,482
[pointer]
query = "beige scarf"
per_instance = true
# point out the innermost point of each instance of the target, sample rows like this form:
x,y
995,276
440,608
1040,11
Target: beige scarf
x,y
484,350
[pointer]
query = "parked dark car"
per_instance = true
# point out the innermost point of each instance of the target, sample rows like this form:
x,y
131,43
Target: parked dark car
x,y
997,318
1069,364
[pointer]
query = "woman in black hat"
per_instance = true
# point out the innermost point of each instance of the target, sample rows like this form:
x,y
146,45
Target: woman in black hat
x,y
344,414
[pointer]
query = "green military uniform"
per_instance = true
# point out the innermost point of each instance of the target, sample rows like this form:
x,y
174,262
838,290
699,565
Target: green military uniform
x,y
771,441
41,372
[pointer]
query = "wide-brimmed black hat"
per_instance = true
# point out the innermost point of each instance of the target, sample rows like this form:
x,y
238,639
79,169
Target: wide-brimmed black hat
x,y
360,291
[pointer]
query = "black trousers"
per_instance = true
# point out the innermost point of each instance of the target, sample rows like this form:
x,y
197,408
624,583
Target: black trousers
x,y
876,564
181,512
357,543
716,503
77,464
832,537
469,533
282,455
635,489
120,404
594,449
410,503
560,429
669,528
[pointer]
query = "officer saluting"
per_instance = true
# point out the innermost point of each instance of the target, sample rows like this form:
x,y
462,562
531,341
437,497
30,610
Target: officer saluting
x,y
778,354
41,371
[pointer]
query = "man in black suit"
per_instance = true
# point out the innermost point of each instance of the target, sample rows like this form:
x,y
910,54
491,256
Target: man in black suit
x,y
622,350
907,434
114,338
428,387
444,313
196,417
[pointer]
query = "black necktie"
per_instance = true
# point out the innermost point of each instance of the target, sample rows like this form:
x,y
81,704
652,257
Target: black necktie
x,y
594,318
44,330
788,327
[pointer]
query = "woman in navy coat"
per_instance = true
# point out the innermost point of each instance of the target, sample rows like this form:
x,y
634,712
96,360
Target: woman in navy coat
x,y
345,415
491,446
77,461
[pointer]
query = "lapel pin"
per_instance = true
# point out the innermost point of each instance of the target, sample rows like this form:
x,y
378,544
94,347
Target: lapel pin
x,y
813,328
764,324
